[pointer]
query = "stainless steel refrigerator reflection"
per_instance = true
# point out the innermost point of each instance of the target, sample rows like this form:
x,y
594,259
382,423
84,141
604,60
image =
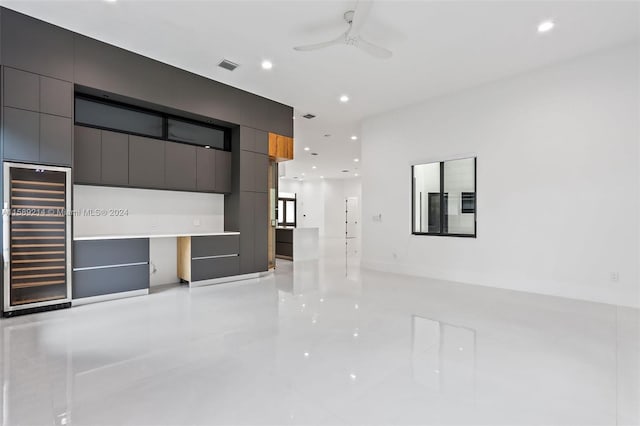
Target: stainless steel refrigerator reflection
x,y
36,237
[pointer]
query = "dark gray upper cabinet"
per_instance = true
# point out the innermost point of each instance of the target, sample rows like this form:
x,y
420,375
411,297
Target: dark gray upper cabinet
x,y
114,158
87,159
56,97
262,142
280,119
247,138
247,170
21,89
36,46
180,170
223,172
146,162
56,140
261,172
21,135
205,169
260,232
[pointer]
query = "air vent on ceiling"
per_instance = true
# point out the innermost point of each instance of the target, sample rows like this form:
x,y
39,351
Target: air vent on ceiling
x,y
228,65
309,116
314,153
345,171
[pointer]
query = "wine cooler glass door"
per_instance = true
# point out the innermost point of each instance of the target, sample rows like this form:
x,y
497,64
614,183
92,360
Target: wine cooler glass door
x,y
36,236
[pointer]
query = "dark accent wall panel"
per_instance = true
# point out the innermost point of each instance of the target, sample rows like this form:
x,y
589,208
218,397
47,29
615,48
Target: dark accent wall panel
x,y
224,170
111,69
33,45
205,169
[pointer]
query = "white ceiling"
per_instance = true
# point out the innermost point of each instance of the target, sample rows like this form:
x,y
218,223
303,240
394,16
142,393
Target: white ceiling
x,y
439,47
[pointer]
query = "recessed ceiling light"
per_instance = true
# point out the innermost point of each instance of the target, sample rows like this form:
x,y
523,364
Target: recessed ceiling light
x,y
302,174
313,167
545,26
314,153
357,175
207,146
356,160
321,177
110,1
344,98
266,65
354,138
327,135
306,148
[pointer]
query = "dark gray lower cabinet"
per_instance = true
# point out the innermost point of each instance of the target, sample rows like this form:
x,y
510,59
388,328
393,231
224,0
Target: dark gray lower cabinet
x,y
146,162
254,226
180,168
206,269
102,267
260,231
208,257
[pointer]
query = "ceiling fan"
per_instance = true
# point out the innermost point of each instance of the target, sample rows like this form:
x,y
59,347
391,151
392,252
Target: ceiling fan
x,y
356,19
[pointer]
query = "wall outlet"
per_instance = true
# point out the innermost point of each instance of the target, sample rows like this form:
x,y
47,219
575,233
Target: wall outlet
x,y
196,222
614,277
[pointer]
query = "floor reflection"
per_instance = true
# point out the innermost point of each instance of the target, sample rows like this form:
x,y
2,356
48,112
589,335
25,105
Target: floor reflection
x,y
324,342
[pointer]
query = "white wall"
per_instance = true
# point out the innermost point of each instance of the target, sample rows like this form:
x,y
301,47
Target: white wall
x,y
558,181
321,203
149,212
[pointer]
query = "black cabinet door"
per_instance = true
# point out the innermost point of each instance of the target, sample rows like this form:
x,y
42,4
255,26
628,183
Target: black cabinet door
x,y
115,158
146,162
55,140
21,89
223,172
214,245
86,161
180,169
206,269
205,169
261,172
56,97
260,232
21,135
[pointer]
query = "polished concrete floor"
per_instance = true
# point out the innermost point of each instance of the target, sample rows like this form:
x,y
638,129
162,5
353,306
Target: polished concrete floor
x,y
324,343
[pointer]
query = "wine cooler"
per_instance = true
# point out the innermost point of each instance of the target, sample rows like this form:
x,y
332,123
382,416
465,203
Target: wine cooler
x,y
36,238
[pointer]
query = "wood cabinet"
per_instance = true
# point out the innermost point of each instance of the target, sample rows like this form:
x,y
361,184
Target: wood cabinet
x,y
280,147
208,257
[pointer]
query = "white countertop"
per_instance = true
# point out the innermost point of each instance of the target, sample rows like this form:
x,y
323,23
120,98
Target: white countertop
x,y
122,237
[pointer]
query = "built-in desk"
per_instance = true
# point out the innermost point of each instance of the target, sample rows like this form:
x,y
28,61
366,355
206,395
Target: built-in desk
x,y
109,267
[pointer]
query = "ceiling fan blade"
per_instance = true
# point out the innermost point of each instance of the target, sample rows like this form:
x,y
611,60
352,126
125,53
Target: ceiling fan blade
x,y
372,49
360,14
316,46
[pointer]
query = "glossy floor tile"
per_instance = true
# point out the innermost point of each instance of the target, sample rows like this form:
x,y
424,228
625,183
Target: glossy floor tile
x,y
324,342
